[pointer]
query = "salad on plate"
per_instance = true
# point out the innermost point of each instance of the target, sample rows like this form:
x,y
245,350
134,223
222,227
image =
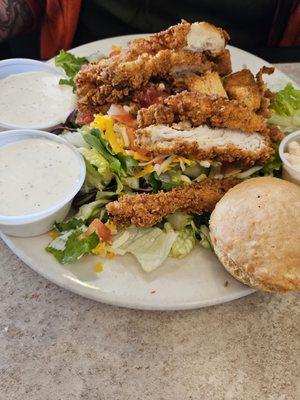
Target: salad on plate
x,y
165,129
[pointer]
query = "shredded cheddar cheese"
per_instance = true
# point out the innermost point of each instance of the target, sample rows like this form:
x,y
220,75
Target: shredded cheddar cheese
x,y
106,124
140,157
99,249
110,254
98,267
147,170
54,234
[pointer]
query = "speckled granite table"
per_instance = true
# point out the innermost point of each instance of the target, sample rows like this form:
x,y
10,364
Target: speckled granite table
x,y
56,345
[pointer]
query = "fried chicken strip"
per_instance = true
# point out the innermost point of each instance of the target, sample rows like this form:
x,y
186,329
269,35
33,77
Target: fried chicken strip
x,y
204,143
98,85
184,47
148,209
201,109
198,36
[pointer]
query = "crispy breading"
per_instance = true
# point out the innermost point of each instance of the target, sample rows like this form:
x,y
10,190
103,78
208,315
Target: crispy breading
x,y
204,143
162,55
176,38
222,63
209,83
108,82
266,94
200,109
242,86
148,209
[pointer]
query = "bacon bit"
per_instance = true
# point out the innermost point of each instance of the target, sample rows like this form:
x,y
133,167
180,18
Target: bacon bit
x,y
118,113
98,267
84,118
102,230
54,234
152,95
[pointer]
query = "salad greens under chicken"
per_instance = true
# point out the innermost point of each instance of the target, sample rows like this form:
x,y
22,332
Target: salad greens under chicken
x,y
113,169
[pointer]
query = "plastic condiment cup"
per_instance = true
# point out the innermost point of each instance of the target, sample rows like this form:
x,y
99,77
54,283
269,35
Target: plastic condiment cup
x,y
20,65
41,222
289,172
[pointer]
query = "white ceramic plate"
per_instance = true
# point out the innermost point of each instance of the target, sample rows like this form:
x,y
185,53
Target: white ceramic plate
x,y
196,281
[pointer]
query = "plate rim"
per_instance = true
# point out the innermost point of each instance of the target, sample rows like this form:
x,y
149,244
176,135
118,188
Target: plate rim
x,y
79,289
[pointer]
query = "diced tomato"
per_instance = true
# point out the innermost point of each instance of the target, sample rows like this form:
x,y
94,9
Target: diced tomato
x,y
84,118
152,95
118,113
102,230
114,53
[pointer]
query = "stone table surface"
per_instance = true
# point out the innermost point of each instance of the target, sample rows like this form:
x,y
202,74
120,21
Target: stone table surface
x,y
59,346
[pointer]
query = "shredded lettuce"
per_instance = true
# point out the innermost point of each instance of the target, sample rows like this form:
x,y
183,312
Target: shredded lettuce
x,y
75,138
95,138
89,209
179,220
286,109
195,170
71,65
70,246
151,246
70,224
273,168
205,237
94,158
184,243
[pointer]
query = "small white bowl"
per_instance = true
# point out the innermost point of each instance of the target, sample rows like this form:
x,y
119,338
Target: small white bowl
x,y
41,222
20,65
289,172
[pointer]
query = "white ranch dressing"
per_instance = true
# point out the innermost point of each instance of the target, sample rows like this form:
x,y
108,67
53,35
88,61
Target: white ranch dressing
x,y
35,99
35,175
293,154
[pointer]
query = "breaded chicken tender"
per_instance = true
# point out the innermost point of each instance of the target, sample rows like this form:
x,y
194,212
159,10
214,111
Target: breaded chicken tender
x,y
201,109
204,143
148,209
198,36
100,84
183,48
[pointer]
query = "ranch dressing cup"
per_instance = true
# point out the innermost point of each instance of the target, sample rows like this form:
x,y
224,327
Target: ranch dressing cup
x,y
40,173
289,171
31,96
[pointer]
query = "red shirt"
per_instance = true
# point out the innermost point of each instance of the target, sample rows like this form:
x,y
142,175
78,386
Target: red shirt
x,y
58,20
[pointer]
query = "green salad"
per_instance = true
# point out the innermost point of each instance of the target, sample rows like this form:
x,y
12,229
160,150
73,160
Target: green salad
x,y
112,170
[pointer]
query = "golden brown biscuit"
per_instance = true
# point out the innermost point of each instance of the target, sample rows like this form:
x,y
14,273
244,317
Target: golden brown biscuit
x,y
255,231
